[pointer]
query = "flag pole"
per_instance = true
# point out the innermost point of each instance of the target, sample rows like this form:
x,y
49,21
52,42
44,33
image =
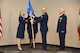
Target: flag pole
x,y
33,36
30,8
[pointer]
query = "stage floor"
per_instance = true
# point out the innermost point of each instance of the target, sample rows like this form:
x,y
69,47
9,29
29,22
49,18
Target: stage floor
x,y
37,51
27,49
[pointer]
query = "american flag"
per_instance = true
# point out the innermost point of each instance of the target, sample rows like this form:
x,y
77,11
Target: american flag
x,y
0,24
79,25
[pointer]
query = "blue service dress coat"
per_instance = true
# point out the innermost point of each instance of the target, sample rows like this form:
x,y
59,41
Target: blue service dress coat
x,y
62,23
43,22
21,27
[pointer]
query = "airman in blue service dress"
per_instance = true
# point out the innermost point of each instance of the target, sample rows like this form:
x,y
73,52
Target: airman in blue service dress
x,y
21,27
43,28
29,30
62,27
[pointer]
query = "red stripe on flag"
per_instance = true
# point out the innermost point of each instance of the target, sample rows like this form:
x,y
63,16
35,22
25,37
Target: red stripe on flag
x,y
0,22
1,31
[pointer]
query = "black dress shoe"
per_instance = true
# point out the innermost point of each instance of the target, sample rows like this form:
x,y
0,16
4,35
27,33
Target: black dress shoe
x,y
44,49
60,50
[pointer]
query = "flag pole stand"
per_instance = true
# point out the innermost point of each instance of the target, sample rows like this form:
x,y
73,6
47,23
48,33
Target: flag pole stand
x,y
33,36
